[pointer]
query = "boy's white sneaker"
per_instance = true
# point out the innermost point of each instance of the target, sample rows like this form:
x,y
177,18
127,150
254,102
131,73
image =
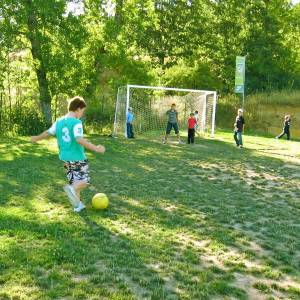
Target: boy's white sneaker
x,y
80,207
181,142
69,190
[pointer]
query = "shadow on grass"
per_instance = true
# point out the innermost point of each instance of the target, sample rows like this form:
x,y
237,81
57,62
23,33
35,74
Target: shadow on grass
x,y
144,180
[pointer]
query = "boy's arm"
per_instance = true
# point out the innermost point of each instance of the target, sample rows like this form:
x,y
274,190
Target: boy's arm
x,y
40,137
86,144
44,135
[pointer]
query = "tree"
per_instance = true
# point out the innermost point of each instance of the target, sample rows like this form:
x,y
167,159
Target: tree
x,y
43,27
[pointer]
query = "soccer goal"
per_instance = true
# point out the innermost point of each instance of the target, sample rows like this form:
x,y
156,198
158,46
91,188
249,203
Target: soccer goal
x,y
150,104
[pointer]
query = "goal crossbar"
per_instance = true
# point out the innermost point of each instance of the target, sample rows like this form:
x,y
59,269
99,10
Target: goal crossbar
x,y
169,89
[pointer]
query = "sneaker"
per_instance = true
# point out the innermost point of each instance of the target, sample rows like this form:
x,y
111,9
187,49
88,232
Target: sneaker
x,y
69,190
181,142
241,146
164,142
80,207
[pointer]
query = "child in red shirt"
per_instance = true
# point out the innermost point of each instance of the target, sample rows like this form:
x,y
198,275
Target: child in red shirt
x,y
192,122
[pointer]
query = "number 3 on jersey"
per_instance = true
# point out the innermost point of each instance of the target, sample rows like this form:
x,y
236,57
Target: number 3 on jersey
x,y
66,135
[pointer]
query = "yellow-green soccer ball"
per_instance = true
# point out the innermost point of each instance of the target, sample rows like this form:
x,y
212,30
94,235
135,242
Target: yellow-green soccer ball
x,y
100,201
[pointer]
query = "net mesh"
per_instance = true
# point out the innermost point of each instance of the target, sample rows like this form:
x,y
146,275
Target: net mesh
x,y
149,107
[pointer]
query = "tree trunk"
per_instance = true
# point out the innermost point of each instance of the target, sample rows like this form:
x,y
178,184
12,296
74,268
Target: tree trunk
x,y
41,72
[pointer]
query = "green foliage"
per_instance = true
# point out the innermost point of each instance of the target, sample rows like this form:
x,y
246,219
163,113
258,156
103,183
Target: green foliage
x,y
23,121
184,76
188,44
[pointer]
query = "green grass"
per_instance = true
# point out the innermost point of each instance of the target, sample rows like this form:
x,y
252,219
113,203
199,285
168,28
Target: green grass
x,y
208,221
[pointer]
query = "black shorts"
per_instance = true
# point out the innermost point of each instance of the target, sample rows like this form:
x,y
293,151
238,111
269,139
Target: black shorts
x,y
77,171
170,126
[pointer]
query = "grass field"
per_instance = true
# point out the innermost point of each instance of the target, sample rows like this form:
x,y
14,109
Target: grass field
x,y
208,221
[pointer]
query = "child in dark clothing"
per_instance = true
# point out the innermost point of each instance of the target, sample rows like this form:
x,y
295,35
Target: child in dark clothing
x,y
286,128
192,122
238,129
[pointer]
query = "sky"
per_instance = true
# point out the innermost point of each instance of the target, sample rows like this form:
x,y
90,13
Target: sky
x,y
77,7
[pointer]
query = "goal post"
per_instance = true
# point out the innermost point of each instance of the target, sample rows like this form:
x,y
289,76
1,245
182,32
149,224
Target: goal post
x,y
150,104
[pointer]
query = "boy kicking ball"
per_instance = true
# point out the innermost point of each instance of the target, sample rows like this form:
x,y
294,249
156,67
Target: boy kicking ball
x,y
69,133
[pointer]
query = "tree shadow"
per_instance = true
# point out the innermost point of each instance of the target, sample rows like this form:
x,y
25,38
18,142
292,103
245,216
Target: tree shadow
x,y
144,180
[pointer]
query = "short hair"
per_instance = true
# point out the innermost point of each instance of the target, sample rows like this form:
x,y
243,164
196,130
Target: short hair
x,y
196,111
75,103
173,104
192,114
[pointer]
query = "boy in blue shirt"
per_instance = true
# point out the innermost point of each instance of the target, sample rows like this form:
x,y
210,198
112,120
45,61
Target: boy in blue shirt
x,y
129,120
69,133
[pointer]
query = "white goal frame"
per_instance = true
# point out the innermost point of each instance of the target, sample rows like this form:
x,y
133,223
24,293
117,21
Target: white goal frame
x,y
205,92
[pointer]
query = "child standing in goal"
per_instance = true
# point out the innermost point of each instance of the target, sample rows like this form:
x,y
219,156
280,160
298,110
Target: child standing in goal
x,y
172,123
69,133
192,123
129,126
196,116
238,128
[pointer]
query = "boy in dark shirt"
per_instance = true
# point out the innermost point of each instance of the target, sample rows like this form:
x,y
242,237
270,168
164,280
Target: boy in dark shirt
x,y
172,123
286,128
238,129
192,123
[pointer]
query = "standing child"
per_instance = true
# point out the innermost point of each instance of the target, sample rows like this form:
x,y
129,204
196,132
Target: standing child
x,y
129,126
172,123
192,123
69,133
239,128
286,128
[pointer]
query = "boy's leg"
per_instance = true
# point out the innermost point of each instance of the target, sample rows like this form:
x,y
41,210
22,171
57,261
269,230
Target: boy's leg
x,y
288,136
127,130
240,138
176,129
71,168
78,186
196,129
78,175
168,130
235,138
192,136
189,136
281,134
81,181
131,131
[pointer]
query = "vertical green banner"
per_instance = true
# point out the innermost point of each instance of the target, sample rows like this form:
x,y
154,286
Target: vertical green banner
x,y
240,74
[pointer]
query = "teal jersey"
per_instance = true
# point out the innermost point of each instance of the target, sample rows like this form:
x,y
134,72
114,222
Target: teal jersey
x,y
67,130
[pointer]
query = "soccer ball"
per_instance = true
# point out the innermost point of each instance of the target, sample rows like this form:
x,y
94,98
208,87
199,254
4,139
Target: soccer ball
x,y
100,201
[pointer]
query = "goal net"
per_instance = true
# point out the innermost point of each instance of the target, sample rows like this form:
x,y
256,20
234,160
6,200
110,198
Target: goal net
x,y
150,104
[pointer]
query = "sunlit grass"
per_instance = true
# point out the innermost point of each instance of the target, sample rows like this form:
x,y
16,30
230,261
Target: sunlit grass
x,y
205,222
